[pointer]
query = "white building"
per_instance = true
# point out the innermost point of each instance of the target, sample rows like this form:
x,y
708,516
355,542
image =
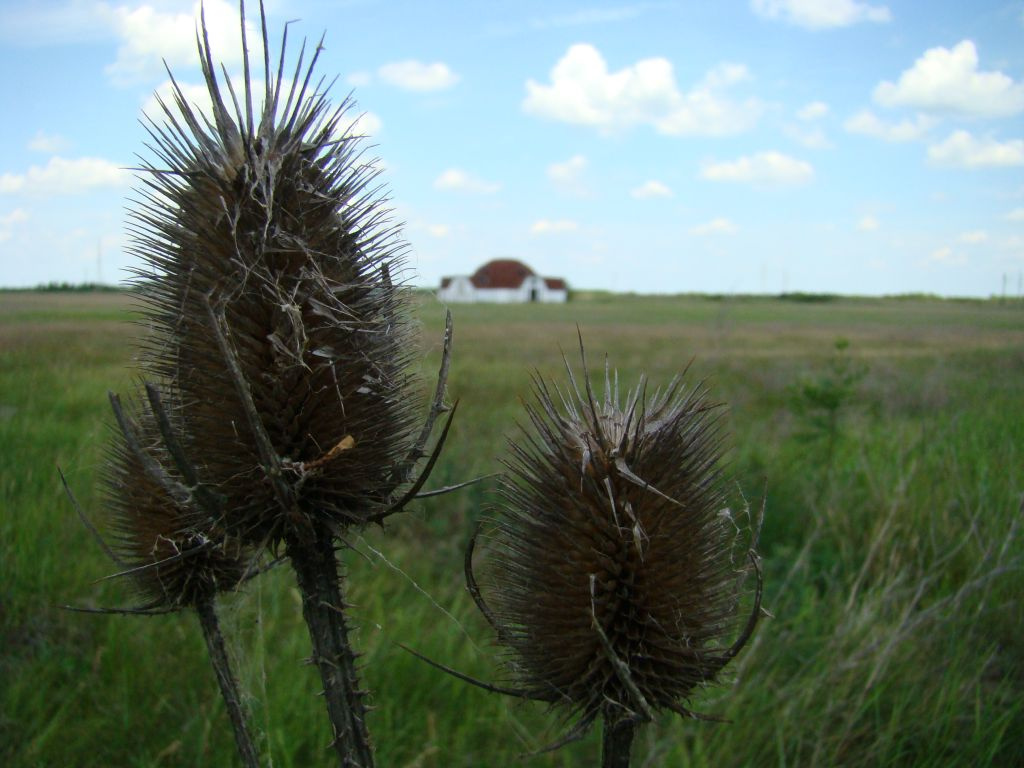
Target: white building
x,y
504,281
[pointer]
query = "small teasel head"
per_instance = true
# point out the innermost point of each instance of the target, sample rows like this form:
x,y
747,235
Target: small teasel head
x,y
167,537
613,568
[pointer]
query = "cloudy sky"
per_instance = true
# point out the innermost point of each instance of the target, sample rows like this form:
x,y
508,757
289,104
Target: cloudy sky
x,y
739,146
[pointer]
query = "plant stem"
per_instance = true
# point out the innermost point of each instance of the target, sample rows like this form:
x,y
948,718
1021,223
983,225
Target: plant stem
x,y
616,742
226,679
318,577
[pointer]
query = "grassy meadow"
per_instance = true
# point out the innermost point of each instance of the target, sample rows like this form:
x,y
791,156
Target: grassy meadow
x,y
890,434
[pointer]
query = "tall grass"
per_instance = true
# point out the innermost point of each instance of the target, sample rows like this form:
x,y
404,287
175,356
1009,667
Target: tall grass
x,y
893,576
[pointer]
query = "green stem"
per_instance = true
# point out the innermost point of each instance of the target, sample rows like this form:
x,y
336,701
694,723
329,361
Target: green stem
x,y
616,742
226,679
318,577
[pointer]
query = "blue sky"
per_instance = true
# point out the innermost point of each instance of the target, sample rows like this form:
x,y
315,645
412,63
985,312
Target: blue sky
x,y
744,146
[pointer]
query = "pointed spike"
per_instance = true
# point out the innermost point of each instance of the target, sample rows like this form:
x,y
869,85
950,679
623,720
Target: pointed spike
x,y
515,692
471,585
88,524
425,472
246,74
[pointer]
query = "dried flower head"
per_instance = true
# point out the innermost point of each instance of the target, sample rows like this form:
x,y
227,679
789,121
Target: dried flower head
x,y
611,577
166,540
275,327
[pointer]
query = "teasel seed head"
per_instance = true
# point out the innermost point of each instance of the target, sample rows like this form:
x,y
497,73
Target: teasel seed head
x,y
611,573
278,322
166,537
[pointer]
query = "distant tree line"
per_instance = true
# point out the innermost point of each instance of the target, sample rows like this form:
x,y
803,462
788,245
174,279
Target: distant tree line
x,y
55,287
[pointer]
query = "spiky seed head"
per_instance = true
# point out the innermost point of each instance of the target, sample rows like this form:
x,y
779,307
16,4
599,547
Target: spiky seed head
x,y
610,572
264,224
172,549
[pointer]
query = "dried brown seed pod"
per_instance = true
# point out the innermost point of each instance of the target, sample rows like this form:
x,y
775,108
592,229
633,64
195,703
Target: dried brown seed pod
x,y
611,573
276,329
166,536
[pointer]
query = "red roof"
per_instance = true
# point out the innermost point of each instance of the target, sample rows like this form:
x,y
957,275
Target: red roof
x,y
501,273
506,273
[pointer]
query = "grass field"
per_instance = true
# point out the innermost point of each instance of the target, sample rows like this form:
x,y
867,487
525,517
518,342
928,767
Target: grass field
x,y
893,557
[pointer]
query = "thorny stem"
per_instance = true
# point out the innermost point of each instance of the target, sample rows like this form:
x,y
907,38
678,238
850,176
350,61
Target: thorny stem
x,y
317,574
616,742
207,613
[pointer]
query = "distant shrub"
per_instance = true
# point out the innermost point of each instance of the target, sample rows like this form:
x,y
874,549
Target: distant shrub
x,y
54,287
820,401
809,298
915,297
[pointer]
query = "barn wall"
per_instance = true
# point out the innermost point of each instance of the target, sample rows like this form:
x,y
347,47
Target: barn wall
x,y
462,291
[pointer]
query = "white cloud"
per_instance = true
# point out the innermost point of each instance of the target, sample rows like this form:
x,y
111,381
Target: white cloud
x,y
583,91
813,111
8,222
568,175
650,189
10,183
47,143
416,76
457,180
947,81
946,256
549,226
868,224
812,138
65,177
359,79
14,217
867,123
410,74
366,124
1017,214
962,150
149,36
438,230
717,226
973,237
821,14
197,96
769,168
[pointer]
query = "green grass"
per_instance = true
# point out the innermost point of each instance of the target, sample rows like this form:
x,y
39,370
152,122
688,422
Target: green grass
x,y
892,561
